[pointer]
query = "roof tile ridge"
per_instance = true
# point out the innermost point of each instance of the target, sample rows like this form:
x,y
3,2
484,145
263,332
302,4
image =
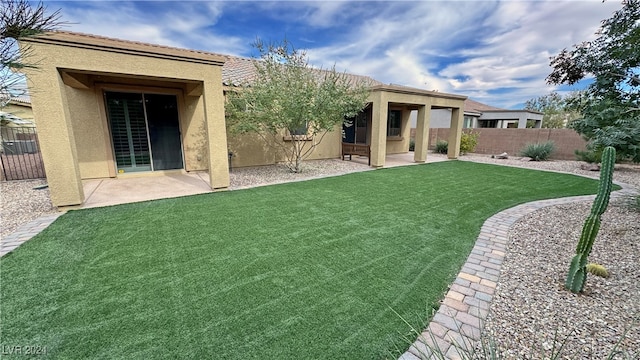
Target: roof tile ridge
x,y
101,37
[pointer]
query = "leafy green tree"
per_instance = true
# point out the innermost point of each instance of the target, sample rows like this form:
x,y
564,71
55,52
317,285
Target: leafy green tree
x,y
610,106
292,105
557,113
19,20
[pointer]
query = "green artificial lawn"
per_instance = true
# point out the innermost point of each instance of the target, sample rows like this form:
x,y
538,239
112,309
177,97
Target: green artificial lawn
x,y
316,269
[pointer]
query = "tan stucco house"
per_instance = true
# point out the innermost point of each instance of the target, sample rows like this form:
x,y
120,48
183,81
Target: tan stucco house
x,y
111,108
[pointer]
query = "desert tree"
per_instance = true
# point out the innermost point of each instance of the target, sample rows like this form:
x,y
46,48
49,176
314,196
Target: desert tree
x,y
20,20
557,113
290,104
610,105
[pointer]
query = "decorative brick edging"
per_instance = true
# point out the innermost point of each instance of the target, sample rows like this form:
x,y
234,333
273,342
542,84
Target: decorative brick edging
x,y
26,232
458,322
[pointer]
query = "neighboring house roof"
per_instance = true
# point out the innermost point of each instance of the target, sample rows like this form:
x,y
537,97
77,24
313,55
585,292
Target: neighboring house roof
x,y
21,100
473,106
5,116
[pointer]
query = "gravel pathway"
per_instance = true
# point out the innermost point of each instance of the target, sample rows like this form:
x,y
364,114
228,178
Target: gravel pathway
x,y
530,304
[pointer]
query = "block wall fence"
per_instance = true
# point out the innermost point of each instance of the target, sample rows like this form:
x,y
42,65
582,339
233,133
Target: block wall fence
x,y
511,141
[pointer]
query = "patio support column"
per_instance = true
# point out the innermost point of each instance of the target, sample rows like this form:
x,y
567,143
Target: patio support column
x,y
216,131
455,132
56,137
522,121
422,133
379,129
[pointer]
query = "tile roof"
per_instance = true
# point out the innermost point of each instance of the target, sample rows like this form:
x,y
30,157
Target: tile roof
x,y
238,71
21,100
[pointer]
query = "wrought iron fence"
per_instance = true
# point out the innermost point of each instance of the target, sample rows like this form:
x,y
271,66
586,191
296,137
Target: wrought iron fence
x,y
20,154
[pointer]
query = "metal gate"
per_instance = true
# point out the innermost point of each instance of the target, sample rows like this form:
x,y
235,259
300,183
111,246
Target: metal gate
x,y
20,156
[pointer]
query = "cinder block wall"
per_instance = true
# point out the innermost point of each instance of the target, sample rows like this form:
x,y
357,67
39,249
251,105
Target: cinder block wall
x,y
511,141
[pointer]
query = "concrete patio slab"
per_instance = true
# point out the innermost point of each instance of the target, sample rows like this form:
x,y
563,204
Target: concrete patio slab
x,y
121,190
152,186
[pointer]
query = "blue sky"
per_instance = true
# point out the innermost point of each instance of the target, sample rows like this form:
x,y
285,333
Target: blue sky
x,y
496,52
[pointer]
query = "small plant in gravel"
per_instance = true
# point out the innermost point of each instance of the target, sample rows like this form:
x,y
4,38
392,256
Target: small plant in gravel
x,y
412,145
468,142
589,156
597,270
538,151
577,275
442,147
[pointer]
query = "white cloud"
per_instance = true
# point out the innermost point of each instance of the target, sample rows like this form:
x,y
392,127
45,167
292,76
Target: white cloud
x,y
517,56
187,25
496,45
474,48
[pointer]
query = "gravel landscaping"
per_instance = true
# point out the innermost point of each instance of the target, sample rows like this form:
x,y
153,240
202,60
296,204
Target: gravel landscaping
x,y
530,304
531,308
22,203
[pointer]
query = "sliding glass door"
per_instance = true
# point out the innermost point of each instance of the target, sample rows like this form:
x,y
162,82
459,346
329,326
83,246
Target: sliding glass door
x,y
145,131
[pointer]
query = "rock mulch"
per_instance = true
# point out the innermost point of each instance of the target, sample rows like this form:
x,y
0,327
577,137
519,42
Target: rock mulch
x,y
22,203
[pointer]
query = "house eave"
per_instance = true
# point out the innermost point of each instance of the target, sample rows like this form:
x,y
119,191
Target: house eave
x,y
100,43
414,91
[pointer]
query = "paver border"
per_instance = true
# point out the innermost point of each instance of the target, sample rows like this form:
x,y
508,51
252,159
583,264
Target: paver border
x,y
26,232
457,324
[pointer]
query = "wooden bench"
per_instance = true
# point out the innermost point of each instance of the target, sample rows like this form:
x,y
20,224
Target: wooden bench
x,y
356,149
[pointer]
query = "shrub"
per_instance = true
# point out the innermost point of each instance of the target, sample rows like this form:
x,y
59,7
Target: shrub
x,y
594,156
589,156
538,151
468,142
412,145
442,147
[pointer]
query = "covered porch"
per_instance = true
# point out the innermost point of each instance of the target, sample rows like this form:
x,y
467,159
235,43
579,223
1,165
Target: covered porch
x,y
109,107
384,128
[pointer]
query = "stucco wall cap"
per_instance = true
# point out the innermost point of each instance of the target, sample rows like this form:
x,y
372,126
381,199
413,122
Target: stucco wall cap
x,y
400,89
101,43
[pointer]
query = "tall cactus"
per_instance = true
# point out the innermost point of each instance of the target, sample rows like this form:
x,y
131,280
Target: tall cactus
x,y
577,270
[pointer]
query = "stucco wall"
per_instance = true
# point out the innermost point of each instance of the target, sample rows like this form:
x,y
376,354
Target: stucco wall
x,y
398,145
255,150
511,141
194,134
91,135
67,91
